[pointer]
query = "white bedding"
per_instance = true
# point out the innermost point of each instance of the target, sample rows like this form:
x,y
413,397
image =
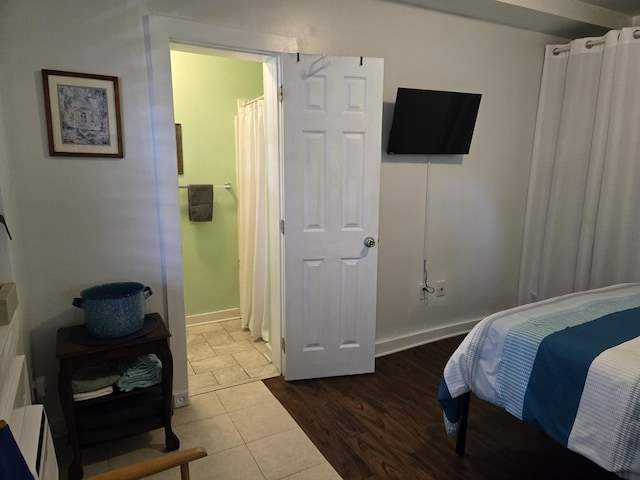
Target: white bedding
x,y
569,365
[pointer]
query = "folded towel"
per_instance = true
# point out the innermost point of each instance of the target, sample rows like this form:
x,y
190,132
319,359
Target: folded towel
x,y
200,203
139,372
89,379
102,392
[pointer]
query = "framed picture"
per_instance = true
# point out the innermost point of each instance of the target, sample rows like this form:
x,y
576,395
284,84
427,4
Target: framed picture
x,y
83,114
179,148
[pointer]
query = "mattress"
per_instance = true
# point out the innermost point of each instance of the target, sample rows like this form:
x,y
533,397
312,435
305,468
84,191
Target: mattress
x,y
569,365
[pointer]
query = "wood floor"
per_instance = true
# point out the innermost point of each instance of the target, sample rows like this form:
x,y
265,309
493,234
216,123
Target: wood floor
x,y
388,425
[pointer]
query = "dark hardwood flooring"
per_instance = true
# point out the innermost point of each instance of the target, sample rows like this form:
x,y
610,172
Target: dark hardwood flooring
x,y
388,425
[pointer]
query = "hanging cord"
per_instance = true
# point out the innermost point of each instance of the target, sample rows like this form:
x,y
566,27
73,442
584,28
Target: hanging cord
x,y
426,290
2,221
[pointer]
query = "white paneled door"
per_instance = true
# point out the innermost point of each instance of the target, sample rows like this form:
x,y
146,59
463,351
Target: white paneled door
x,y
332,148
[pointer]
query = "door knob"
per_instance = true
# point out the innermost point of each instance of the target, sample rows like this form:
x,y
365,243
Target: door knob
x,y
369,242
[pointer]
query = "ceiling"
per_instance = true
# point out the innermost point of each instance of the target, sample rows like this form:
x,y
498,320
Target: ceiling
x,y
627,7
564,18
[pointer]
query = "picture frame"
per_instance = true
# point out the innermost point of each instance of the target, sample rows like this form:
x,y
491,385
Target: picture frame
x,y
83,114
179,148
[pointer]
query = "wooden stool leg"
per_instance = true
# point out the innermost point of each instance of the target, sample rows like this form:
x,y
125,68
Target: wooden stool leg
x,y
184,471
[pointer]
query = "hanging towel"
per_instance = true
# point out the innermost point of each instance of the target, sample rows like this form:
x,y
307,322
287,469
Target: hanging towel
x,y
12,463
200,203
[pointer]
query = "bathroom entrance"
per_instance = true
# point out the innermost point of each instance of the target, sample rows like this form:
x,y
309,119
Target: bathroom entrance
x,y
323,144
220,124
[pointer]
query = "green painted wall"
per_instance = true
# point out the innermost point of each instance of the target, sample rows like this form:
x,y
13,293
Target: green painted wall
x,y
205,91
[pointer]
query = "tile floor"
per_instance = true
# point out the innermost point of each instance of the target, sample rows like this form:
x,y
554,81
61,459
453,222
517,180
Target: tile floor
x,y
247,433
222,354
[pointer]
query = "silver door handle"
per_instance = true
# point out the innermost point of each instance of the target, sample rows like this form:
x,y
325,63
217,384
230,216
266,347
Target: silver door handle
x,y
369,242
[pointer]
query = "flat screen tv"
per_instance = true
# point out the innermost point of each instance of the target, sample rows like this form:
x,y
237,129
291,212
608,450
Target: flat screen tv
x,y
433,122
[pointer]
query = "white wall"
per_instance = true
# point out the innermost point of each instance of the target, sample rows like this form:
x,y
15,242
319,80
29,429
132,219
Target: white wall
x,y
11,271
88,221
475,203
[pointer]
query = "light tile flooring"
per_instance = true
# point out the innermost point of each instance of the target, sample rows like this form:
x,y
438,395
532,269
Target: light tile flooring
x,y
222,354
247,433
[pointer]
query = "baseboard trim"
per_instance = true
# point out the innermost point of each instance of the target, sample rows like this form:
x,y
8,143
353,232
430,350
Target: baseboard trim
x,y
398,344
210,317
269,351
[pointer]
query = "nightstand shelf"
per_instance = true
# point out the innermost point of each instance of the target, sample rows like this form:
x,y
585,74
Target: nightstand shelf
x,y
120,414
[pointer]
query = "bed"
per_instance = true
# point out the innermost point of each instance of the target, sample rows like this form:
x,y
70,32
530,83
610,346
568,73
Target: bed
x,y
569,365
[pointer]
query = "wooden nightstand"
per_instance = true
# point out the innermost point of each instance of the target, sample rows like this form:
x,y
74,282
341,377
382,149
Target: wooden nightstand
x,y
120,414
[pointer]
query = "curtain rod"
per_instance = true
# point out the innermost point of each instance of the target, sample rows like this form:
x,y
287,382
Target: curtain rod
x,y
226,186
249,102
590,43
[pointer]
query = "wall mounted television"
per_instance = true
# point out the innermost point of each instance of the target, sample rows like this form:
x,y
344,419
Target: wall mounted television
x,y
433,122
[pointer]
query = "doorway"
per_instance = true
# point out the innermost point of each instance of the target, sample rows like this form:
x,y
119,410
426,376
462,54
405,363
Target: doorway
x,y
351,90
215,97
160,33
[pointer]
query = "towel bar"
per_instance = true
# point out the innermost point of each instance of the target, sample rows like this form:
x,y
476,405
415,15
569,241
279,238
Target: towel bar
x,y
226,186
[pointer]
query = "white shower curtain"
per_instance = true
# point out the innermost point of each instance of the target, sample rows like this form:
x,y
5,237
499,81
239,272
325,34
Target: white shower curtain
x,y
582,226
252,217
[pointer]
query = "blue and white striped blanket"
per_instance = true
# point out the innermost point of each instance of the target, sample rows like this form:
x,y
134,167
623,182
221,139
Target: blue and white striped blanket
x,y
569,365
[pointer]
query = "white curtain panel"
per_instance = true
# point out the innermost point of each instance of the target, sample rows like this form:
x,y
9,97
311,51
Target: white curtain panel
x,y
582,227
252,218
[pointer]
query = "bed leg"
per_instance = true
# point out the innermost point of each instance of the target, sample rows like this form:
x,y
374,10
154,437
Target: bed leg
x,y
462,431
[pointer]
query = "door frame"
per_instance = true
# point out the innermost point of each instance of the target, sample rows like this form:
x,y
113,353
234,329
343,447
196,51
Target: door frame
x,y
160,33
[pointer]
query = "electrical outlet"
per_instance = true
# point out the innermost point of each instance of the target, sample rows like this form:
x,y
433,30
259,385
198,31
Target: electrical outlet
x,y
180,400
40,387
423,291
440,284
